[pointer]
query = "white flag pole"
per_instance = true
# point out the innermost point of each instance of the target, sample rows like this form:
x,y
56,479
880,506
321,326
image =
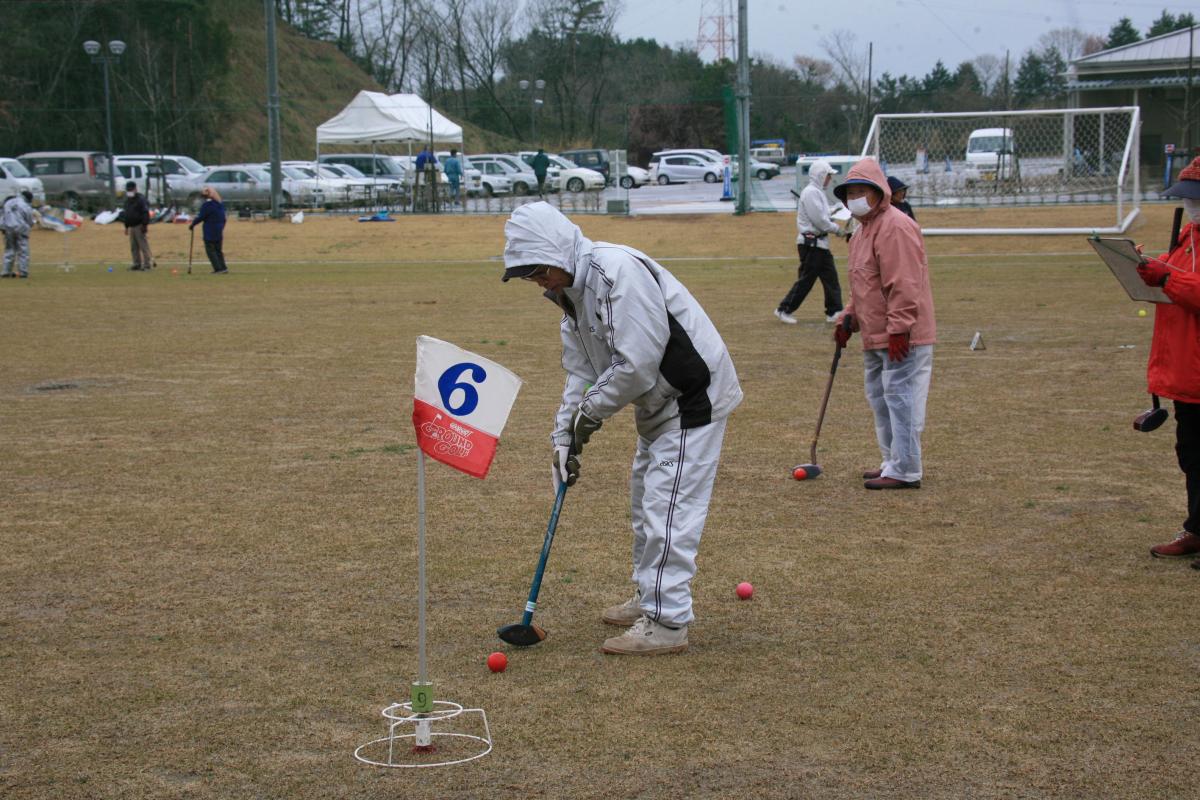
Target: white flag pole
x,y
422,675
422,691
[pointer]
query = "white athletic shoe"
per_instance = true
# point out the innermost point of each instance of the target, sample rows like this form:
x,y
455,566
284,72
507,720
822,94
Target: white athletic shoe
x,y
835,318
785,317
647,638
624,614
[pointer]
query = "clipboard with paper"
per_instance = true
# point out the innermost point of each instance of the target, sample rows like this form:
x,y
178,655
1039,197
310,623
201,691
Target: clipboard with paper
x,y
1122,258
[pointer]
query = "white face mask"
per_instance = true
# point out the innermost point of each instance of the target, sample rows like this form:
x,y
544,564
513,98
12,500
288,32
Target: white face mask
x,y
859,206
129,194
1192,209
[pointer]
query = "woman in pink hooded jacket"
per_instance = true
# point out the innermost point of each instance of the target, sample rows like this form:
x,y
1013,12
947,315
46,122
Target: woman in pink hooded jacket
x,y
891,304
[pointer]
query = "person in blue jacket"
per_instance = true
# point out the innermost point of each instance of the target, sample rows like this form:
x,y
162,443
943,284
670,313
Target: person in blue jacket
x,y
212,214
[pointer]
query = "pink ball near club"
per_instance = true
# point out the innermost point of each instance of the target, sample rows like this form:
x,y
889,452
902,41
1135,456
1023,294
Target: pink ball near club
x,y
497,662
744,590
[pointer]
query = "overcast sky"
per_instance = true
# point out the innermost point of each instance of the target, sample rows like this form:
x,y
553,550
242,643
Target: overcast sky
x,y
909,35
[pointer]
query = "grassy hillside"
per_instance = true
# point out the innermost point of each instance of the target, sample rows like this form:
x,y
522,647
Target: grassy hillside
x,y
316,81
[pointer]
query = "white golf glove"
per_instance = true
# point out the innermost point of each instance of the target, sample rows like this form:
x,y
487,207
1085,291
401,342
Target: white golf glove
x,y
565,467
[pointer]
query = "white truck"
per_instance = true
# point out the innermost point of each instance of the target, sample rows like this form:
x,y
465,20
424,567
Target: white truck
x,y
991,156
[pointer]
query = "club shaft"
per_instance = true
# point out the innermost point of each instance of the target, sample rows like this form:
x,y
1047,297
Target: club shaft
x,y
837,356
536,586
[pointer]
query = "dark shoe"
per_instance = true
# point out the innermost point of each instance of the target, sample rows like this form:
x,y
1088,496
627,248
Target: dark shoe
x,y
7,275
220,272
872,474
23,275
1184,544
891,483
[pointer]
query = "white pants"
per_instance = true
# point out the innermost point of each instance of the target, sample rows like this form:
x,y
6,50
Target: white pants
x,y
897,394
669,492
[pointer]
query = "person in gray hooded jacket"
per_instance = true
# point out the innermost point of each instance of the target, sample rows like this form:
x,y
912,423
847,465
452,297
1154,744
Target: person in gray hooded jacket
x,y
632,334
17,220
813,226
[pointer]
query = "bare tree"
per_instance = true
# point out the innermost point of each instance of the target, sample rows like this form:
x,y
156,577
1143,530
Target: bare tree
x,y
814,71
989,69
849,60
383,31
1069,42
852,65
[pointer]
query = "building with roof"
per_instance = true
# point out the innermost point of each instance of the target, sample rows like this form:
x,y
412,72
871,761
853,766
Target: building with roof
x,y
1156,74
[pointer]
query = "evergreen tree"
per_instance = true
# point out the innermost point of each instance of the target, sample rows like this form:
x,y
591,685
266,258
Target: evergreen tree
x,y
1122,33
939,79
1032,80
1168,22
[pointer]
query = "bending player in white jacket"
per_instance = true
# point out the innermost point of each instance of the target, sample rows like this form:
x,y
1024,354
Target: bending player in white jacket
x,y
636,336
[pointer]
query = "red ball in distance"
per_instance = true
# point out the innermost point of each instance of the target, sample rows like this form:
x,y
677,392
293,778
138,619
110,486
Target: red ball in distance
x,y
744,590
497,662
799,473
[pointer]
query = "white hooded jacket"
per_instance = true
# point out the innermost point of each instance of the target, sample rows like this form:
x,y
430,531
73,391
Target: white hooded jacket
x,y
631,332
812,212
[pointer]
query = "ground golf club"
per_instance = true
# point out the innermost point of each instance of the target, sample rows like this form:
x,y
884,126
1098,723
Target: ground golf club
x,y
525,633
1151,418
812,470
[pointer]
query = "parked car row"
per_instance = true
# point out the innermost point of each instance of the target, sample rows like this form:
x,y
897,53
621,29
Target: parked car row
x,y
682,165
81,178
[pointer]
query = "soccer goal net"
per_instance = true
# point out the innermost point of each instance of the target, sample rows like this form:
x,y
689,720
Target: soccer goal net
x,y
1014,158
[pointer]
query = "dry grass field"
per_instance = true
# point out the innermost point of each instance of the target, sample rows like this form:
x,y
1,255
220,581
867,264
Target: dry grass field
x,y
207,535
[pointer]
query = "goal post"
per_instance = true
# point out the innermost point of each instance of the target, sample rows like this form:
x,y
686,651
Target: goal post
x,y
1044,157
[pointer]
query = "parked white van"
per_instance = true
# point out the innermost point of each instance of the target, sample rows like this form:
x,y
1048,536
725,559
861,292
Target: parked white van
x,y
841,165
991,156
15,178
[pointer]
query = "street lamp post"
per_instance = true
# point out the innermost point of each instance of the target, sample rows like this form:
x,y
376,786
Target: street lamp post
x,y
534,103
116,47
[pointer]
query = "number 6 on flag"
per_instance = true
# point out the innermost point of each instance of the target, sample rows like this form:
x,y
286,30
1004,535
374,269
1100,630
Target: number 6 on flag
x,y
460,404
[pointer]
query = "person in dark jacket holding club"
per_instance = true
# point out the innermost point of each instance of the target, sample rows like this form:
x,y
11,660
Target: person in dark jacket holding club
x,y
212,214
1174,368
136,216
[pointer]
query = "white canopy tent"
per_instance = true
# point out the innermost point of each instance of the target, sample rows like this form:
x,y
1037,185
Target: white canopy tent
x,y
376,118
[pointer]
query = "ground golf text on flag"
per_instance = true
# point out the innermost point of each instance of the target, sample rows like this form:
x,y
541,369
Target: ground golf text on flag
x,y
460,404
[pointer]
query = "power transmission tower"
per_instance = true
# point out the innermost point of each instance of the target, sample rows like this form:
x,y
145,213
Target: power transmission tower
x,y
717,28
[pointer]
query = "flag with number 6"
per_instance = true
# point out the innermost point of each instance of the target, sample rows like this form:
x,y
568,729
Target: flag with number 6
x,y
460,405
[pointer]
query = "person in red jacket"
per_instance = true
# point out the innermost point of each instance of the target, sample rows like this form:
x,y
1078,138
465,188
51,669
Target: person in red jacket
x,y
891,304
1174,368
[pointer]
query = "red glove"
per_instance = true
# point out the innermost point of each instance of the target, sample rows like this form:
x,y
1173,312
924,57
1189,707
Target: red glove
x,y
844,330
897,346
1152,273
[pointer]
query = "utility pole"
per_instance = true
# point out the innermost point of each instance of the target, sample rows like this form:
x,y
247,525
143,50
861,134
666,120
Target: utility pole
x,y
743,111
273,112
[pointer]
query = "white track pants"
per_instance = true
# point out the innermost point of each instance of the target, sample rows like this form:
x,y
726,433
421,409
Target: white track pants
x,y
897,394
669,492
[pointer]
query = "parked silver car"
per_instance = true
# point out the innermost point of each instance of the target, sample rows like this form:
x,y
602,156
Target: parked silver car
x,y
520,173
76,178
239,184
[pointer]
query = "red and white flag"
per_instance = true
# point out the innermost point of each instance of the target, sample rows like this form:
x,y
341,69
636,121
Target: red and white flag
x,y
460,404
